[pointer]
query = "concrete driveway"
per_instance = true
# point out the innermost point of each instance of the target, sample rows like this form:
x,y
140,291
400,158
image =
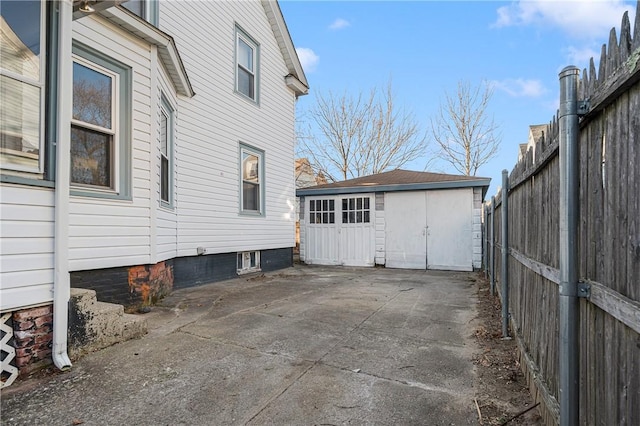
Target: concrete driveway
x,y
304,346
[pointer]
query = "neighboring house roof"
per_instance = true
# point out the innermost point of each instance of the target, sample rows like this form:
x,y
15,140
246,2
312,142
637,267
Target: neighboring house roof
x,y
295,80
397,180
167,50
305,176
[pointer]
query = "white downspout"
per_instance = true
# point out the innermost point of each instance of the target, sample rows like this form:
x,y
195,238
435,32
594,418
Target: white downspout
x,y
61,285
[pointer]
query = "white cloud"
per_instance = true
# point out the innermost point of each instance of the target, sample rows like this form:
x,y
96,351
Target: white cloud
x,y
578,18
580,56
308,58
339,24
520,87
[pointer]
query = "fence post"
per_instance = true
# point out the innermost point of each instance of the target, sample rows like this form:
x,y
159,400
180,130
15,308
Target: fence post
x,y
485,240
504,271
492,248
569,368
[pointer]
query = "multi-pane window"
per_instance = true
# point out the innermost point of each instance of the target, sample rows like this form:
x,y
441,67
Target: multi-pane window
x,y
166,152
356,210
246,65
322,211
93,125
252,178
22,80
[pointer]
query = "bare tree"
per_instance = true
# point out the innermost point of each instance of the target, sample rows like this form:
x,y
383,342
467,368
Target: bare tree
x,y
467,137
359,135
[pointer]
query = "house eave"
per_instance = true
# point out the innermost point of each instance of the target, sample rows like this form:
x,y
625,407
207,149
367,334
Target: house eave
x,y
298,87
167,50
483,183
281,32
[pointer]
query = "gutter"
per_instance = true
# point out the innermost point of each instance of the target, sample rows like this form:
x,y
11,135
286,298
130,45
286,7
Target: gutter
x,y
484,183
61,283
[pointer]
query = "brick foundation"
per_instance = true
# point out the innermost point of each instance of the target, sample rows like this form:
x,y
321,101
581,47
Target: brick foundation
x,y
33,338
150,283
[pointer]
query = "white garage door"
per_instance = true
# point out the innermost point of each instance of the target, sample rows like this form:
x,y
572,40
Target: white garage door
x,y
429,230
340,230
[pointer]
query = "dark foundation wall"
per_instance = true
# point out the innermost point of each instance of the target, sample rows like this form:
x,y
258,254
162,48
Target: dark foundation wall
x,y
272,260
197,270
145,284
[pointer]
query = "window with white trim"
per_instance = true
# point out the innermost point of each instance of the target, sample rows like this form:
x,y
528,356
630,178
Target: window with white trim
x,y
247,51
22,84
248,261
93,124
322,211
356,210
166,153
100,125
252,180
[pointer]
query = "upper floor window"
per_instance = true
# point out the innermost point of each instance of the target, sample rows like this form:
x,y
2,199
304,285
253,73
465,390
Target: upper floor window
x,y
22,81
100,125
247,52
146,9
252,176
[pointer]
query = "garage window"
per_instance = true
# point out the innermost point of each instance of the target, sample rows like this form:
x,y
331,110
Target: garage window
x,y
356,210
322,211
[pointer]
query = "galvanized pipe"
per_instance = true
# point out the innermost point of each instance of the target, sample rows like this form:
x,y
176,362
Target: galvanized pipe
x,y
492,248
504,271
568,207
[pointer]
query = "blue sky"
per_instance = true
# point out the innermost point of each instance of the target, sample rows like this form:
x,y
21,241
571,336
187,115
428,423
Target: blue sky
x,y
426,47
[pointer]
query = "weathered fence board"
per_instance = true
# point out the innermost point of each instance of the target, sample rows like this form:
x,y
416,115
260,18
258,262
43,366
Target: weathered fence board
x,y
608,240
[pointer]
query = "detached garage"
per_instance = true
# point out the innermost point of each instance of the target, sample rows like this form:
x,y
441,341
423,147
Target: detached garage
x,y
399,219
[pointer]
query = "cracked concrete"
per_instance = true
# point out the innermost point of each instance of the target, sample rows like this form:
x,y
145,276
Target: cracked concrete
x,y
306,345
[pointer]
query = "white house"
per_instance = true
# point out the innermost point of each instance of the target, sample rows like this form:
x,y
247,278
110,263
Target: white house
x,y
144,145
399,219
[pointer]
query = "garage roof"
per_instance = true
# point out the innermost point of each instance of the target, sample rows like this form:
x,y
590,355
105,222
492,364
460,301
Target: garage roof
x,y
397,180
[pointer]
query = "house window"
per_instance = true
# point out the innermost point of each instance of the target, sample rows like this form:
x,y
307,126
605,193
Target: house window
x,y
22,83
145,9
322,211
166,153
248,261
252,176
246,65
100,125
356,210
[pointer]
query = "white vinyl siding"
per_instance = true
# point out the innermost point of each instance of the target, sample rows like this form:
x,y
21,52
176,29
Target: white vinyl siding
x,y
166,228
207,189
107,232
26,246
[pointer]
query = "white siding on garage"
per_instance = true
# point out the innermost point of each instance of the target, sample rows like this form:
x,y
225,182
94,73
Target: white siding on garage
x,y
477,227
216,120
380,223
105,232
26,246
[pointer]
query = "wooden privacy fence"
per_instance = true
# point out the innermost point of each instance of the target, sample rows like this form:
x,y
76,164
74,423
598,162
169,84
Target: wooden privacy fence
x,y
608,245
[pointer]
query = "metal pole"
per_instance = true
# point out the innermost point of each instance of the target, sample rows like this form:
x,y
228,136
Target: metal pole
x,y
492,248
568,207
504,272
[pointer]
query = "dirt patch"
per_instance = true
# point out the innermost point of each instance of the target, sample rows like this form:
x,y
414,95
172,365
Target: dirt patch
x,y
501,390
